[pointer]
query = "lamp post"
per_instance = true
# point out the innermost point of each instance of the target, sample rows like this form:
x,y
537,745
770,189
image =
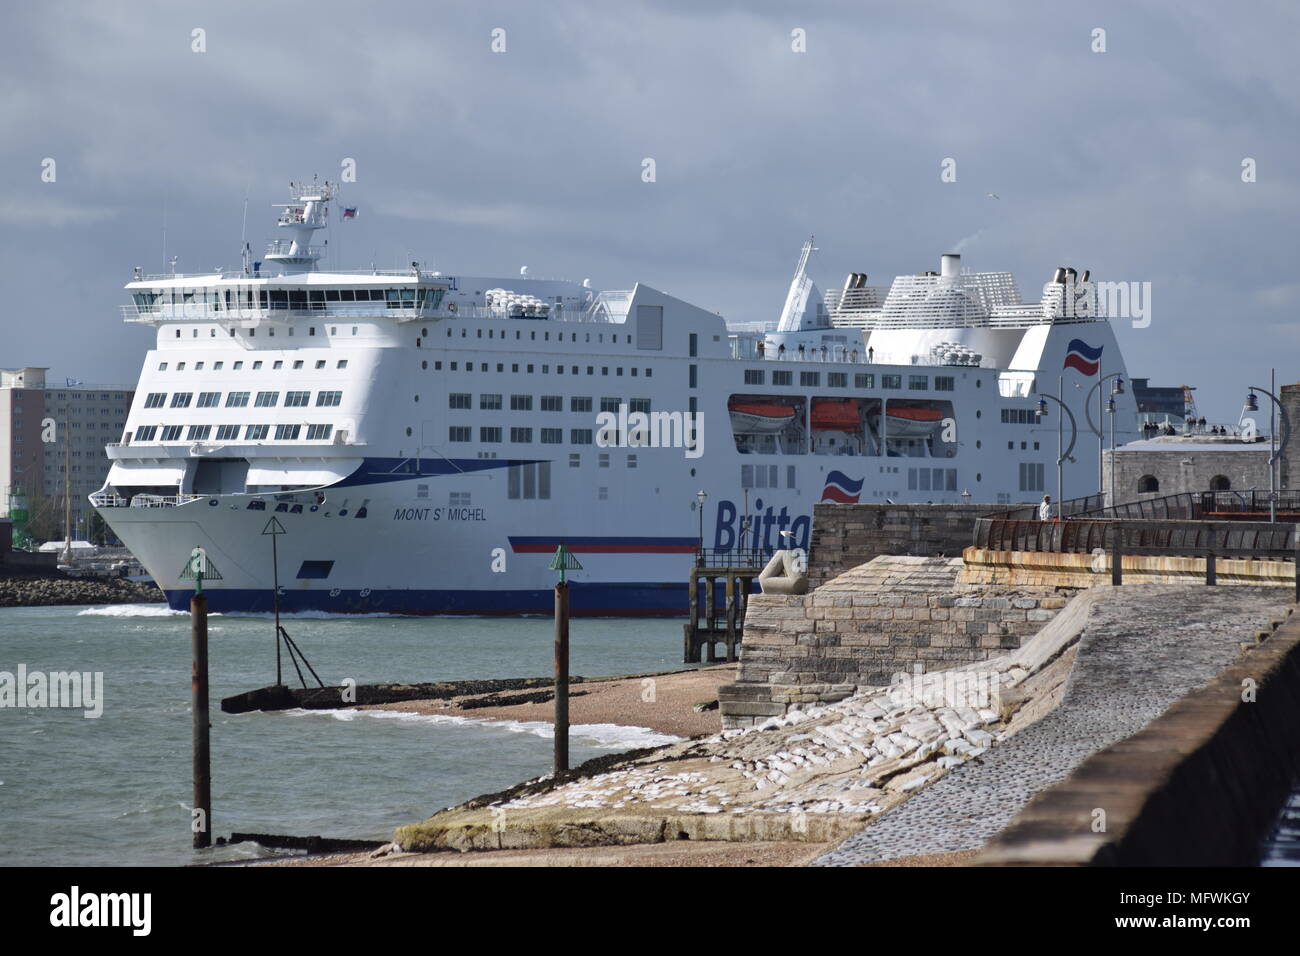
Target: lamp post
x,y
1117,388
701,496
1252,405
1062,454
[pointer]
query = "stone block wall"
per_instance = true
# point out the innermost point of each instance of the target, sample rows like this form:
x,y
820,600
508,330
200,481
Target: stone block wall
x,y
864,626
845,536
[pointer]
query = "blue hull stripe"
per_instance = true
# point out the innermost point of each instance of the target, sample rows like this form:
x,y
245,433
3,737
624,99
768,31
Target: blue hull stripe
x,y
585,600
374,471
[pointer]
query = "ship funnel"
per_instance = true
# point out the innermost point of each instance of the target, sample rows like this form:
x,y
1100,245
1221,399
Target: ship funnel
x,y
950,265
1086,273
1059,276
862,281
851,281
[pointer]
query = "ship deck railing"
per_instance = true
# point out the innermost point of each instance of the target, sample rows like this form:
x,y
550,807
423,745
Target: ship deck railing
x,y
112,500
402,310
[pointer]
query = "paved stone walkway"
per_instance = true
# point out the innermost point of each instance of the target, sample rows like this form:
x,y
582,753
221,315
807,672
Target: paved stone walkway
x,y
1139,653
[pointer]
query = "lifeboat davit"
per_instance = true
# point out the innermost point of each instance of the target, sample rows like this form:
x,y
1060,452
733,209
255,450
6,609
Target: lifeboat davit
x,y
836,416
761,417
911,422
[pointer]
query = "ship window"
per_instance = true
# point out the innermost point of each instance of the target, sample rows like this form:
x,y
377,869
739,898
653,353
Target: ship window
x,y
693,376
298,364
236,399
198,433
277,365
257,365
579,436
182,399
343,363
320,363
459,433
944,383
753,376
315,569
311,330
580,403
575,459
491,402
552,403
348,295
608,404
209,399
180,366
631,461
155,400
918,382
178,333
267,399
297,399
810,378
864,380
782,378
238,366
521,436
145,432
171,433
218,366
319,432
286,432
1031,476
552,436
489,434
227,432
603,460
639,405
459,400
891,381
789,476
521,403
837,379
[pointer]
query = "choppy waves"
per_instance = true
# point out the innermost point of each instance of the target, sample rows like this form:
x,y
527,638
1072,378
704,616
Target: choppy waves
x,y
606,736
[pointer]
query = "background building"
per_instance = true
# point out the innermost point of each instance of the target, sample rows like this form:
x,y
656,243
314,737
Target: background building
x,y
85,418
1170,465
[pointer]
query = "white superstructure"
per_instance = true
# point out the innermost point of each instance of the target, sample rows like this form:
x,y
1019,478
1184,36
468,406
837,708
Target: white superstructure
x,y
426,440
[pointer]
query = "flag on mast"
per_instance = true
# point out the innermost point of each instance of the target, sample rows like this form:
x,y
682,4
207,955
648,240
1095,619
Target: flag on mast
x,y
349,212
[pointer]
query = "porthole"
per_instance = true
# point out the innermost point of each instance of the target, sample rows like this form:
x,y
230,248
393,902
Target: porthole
x,y
977,413
978,476
424,364
408,431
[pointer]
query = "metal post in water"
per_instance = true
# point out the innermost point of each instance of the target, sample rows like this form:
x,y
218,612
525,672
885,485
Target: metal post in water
x,y
199,704
562,562
561,676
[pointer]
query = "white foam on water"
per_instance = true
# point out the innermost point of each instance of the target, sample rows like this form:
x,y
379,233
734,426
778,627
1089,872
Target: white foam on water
x,y
608,736
134,610
312,615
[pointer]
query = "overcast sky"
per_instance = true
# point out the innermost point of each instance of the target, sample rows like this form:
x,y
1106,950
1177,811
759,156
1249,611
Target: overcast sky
x,y
1127,162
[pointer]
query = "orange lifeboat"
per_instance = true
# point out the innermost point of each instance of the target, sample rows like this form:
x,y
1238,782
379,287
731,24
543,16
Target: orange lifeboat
x,y
836,415
763,417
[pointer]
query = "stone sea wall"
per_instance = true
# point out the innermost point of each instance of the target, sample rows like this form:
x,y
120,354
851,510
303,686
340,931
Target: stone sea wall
x,y
1199,786
845,536
37,592
864,626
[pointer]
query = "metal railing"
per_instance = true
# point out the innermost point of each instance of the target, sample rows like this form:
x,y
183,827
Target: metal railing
x,y
111,500
1201,506
755,558
1261,540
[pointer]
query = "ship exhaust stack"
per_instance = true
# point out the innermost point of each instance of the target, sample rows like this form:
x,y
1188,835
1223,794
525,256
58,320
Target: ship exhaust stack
x,y
950,265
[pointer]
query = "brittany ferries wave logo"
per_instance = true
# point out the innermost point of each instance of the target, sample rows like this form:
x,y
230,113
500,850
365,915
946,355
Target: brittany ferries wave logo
x,y
1082,357
840,487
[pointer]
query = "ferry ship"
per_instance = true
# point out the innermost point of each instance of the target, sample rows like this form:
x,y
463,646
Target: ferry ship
x,y
426,439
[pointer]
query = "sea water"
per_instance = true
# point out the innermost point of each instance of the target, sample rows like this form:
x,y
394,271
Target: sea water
x,y
117,789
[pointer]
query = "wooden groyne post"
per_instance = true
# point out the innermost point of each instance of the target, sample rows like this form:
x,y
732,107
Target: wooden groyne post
x,y
202,820
562,562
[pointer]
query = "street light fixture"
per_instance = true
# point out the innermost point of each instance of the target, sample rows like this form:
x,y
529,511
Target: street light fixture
x,y
1063,454
1252,405
1116,388
701,496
